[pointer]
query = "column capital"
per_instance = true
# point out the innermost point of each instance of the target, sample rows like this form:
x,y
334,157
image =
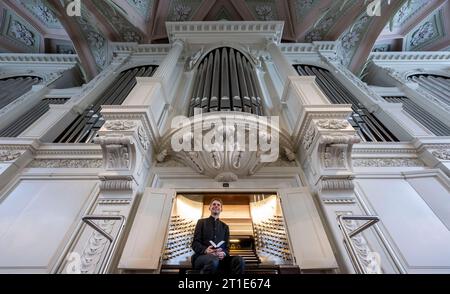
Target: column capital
x,y
178,42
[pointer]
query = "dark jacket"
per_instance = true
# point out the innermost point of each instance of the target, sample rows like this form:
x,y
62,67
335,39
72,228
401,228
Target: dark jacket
x,y
209,229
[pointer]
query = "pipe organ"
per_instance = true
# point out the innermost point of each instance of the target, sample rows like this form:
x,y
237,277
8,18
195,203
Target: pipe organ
x,y
368,127
15,128
85,127
421,115
436,85
226,81
14,87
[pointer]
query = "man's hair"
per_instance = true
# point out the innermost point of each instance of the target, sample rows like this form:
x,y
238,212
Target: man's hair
x,y
216,199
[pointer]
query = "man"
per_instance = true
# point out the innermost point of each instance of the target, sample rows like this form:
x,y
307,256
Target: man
x,y
210,260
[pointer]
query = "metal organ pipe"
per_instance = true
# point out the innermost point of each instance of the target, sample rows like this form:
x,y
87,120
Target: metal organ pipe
x,y
13,88
228,83
214,102
23,122
367,126
237,103
225,104
206,96
436,85
242,85
421,115
85,127
192,102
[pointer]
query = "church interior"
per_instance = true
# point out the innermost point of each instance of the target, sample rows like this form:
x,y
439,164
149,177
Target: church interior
x,y
322,125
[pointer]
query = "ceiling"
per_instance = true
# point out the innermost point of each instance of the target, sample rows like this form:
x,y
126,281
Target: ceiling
x,y
43,26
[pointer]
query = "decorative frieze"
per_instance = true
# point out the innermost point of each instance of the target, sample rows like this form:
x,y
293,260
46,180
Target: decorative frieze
x,y
116,184
38,58
442,154
387,162
332,124
339,201
337,184
120,125
426,57
66,163
114,201
9,155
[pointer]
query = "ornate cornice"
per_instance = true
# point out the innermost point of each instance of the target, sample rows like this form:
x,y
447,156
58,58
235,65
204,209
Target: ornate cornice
x,y
250,29
424,57
315,47
152,49
38,58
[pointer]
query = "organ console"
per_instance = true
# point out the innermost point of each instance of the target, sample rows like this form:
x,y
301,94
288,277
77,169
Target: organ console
x,y
265,242
271,239
178,245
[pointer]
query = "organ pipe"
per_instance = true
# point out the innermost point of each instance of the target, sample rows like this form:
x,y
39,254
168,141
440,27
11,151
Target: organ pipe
x,y
367,126
437,86
23,122
85,127
237,103
214,102
421,115
13,88
227,84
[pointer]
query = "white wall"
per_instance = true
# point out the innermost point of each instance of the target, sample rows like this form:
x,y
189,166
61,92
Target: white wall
x,y
37,218
413,215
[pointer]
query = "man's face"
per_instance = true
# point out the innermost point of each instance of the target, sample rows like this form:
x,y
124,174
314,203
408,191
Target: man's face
x,y
215,207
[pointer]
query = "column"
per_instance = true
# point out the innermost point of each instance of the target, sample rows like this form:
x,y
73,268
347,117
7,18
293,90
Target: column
x,y
166,68
284,67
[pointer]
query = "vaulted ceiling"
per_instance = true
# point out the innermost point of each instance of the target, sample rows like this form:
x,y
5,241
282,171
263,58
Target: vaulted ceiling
x,y
43,26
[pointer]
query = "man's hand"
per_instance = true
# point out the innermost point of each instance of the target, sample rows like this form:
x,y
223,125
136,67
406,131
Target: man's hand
x,y
220,254
210,250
